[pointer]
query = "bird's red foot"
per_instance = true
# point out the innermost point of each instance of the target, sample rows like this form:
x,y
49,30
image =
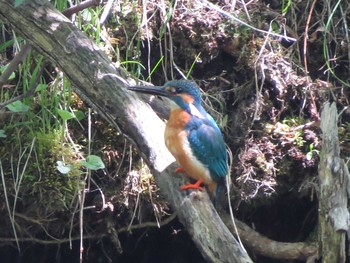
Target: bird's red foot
x,y
180,170
196,185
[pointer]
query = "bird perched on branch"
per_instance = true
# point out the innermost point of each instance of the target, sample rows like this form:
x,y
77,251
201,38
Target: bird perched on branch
x,y
192,136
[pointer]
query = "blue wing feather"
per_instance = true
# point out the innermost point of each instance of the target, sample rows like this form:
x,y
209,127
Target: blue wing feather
x,y
208,146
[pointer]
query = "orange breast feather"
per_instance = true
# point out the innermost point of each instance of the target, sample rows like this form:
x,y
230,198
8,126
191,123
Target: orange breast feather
x,y
178,144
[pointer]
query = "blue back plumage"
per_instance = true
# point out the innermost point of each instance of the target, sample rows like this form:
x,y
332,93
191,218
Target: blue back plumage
x,y
208,146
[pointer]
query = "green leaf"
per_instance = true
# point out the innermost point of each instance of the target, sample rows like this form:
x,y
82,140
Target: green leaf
x,y
3,68
63,168
18,2
3,47
93,162
17,106
79,115
311,147
275,27
41,87
87,15
2,134
65,115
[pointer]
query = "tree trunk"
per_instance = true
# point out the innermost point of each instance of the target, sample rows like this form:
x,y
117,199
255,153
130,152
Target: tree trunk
x,y
333,192
102,86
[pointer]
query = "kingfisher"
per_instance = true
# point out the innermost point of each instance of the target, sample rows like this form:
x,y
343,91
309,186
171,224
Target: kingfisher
x,y
192,136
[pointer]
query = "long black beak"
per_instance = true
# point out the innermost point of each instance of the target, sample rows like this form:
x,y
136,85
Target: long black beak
x,y
153,90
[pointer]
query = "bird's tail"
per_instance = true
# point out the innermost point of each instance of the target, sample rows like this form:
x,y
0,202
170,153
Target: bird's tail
x,y
217,194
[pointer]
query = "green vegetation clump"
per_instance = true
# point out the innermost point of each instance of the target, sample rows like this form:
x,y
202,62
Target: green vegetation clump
x,y
63,186
29,166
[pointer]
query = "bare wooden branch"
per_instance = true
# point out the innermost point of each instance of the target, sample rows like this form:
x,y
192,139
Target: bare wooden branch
x,y
18,59
31,89
103,87
264,246
81,6
334,216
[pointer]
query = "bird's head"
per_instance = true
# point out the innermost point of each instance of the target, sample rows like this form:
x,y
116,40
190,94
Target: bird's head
x,y
184,93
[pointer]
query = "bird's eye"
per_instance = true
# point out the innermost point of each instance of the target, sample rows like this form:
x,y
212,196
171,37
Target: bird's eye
x,y
179,90
173,90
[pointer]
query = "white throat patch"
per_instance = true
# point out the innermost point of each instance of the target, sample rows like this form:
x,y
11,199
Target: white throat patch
x,y
195,112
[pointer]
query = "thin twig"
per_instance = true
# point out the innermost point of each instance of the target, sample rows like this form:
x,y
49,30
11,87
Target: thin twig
x,y
18,59
8,206
30,91
77,8
106,11
346,30
306,36
89,236
214,7
246,10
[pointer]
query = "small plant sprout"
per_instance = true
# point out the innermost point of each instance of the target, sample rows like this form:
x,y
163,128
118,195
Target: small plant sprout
x,y
311,152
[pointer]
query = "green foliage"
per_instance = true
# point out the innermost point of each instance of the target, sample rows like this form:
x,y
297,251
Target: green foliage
x,y
64,168
65,115
3,68
60,4
18,2
155,67
275,27
128,51
3,134
90,23
326,53
311,152
285,6
93,162
51,171
17,106
197,59
3,47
